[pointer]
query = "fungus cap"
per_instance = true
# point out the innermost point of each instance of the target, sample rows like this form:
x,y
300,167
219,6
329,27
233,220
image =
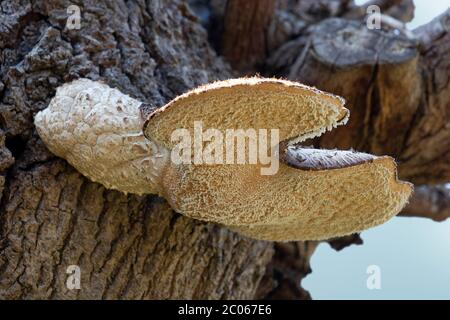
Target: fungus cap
x,y
315,194
298,111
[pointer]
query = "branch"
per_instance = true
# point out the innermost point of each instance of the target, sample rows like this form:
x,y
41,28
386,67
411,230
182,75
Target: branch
x,y
429,202
426,156
398,94
431,32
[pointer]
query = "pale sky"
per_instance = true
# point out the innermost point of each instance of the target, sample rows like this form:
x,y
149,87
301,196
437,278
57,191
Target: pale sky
x,y
413,254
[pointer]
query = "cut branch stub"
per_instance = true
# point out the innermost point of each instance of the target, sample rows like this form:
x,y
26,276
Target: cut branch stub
x,y
426,157
342,43
398,97
376,71
90,125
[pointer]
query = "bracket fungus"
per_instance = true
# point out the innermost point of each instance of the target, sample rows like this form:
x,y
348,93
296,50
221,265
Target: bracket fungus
x,y
123,144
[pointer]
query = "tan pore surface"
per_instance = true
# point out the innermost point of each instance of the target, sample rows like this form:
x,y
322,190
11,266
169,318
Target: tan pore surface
x,y
293,204
249,103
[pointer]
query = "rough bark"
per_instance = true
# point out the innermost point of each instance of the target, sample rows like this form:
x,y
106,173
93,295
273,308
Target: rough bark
x,y
52,217
129,247
397,91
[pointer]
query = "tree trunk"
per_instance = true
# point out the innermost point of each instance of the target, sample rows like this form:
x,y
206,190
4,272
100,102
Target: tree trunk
x,y
246,22
131,247
127,247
